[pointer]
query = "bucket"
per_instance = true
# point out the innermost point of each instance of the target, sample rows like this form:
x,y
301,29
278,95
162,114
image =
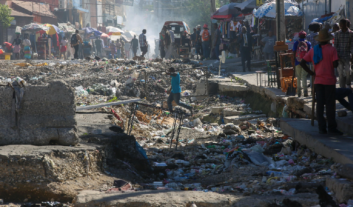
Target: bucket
x,y
7,56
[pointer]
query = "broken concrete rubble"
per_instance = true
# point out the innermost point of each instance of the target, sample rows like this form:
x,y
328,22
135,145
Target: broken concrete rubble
x,y
46,115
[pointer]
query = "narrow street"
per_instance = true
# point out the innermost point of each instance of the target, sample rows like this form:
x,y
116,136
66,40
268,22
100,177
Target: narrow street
x,y
176,103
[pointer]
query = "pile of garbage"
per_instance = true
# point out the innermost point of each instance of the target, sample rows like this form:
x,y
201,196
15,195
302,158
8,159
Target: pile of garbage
x,y
251,157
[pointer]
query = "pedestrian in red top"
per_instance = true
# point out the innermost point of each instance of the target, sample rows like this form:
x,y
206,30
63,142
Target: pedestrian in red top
x,y
325,59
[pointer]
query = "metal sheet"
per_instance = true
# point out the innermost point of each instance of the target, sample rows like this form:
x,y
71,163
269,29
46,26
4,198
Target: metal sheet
x,y
82,108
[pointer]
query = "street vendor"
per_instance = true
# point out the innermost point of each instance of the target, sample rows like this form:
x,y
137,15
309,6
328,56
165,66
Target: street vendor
x,y
7,47
174,93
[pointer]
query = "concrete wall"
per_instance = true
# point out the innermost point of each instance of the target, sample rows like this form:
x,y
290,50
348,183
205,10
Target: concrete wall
x,y
47,114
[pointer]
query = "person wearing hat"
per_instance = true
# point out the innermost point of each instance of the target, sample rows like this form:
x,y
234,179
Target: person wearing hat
x,y
325,59
206,37
300,48
344,46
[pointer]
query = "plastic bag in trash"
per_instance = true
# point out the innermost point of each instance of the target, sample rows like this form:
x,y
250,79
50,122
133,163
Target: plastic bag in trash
x,y
257,158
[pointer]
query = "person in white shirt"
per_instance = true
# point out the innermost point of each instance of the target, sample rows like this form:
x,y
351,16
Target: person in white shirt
x,y
171,48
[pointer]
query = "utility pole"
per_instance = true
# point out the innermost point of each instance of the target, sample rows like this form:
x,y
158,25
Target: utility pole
x,y
280,21
213,6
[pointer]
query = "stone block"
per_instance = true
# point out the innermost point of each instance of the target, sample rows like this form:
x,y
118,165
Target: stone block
x,y
346,171
217,110
343,189
229,112
231,87
47,114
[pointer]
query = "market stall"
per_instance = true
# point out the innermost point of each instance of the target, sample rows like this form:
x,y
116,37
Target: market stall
x,y
38,38
267,21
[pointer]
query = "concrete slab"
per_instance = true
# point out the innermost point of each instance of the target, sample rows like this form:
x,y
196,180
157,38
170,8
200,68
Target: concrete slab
x,y
339,148
160,198
232,86
227,112
343,188
91,122
154,198
238,119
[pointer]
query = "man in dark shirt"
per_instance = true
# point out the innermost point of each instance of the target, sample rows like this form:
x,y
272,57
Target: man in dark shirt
x,y
134,45
98,43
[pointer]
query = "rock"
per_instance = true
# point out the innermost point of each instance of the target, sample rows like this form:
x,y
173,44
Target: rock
x,y
217,110
341,113
343,189
346,171
229,131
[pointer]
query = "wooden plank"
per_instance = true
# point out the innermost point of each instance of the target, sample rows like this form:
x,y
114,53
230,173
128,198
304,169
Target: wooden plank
x,y
81,108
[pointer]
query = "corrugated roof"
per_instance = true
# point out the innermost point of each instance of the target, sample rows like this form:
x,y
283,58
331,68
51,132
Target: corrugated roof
x,y
15,13
36,8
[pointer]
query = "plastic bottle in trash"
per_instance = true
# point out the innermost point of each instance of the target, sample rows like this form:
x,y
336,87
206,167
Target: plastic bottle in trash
x,y
275,173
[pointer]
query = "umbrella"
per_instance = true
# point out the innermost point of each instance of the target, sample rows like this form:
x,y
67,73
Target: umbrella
x,y
66,27
89,30
114,31
35,27
249,4
129,34
269,10
226,11
52,29
104,35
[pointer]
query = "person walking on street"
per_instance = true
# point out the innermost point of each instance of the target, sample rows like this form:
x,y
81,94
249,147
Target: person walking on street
x,y
98,43
27,47
206,37
143,42
17,46
122,49
170,50
134,45
343,44
193,38
245,47
113,48
216,41
341,94
300,48
325,59
175,91
118,48
199,50
314,29
63,47
164,41
269,42
76,40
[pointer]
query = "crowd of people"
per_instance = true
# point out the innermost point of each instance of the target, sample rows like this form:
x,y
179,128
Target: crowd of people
x,y
74,46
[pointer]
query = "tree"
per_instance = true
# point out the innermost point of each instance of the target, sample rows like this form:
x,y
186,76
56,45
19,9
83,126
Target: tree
x,y
198,12
5,18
